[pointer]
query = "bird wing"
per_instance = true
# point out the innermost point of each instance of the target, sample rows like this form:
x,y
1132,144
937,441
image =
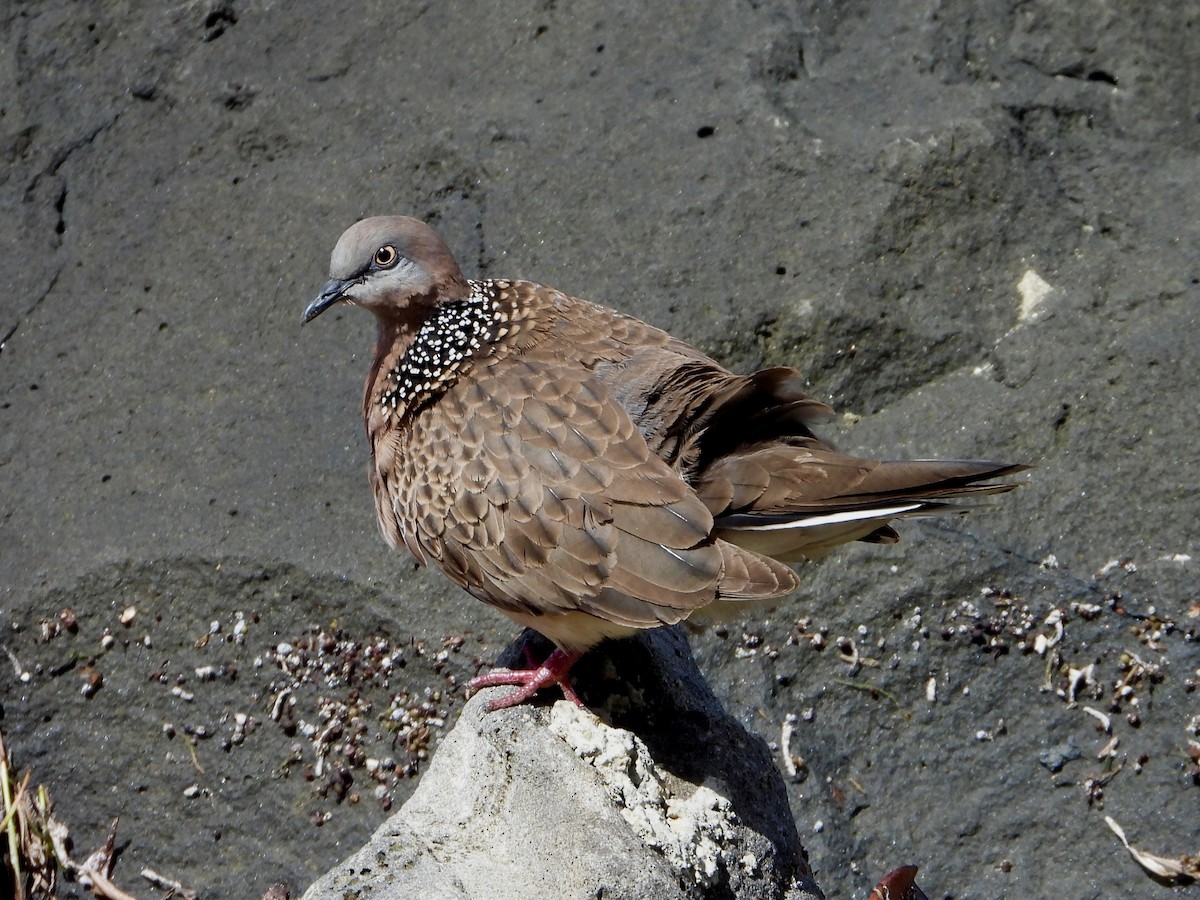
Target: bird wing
x,y
535,491
744,443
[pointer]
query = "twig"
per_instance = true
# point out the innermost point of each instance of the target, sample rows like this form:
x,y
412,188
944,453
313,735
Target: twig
x,y
17,798
18,669
105,888
161,881
869,689
14,844
191,745
100,862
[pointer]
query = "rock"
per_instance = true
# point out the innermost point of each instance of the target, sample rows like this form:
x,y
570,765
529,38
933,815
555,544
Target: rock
x,y
1054,758
880,180
662,794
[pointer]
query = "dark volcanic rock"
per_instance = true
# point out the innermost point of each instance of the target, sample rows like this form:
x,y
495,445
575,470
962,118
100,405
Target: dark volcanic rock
x,y
971,224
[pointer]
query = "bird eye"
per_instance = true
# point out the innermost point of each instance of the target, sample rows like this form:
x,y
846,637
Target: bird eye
x,y
386,256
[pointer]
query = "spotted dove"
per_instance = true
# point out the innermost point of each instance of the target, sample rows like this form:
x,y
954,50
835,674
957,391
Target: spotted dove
x,y
586,473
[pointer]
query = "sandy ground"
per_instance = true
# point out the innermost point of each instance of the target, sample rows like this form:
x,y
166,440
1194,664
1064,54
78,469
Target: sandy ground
x,y
972,225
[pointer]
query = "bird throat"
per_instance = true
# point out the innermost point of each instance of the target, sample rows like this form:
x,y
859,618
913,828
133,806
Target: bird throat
x,y
457,332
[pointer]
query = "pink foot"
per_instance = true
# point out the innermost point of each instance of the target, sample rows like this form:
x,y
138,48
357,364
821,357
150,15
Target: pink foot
x,y
553,671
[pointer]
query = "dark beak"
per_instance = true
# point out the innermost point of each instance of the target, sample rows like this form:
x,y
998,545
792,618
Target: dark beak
x,y
333,292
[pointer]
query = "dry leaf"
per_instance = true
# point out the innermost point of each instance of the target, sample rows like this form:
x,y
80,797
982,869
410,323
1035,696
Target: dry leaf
x,y
1181,870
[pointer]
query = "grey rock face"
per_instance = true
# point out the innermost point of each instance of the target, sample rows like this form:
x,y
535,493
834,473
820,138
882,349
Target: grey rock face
x,y
860,189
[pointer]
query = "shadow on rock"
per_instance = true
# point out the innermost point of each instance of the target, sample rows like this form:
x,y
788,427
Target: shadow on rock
x,y
652,687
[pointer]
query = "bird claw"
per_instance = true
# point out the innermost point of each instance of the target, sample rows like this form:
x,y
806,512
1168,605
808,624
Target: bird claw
x,y
529,681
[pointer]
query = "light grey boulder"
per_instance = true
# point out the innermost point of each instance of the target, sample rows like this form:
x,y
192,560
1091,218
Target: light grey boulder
x,y
661,795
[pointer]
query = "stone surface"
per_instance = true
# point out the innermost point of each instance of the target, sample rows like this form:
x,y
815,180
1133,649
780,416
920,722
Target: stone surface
x,y
860,189
558,802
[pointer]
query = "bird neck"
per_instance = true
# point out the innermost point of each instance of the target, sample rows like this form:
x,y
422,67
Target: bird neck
x,y
419,356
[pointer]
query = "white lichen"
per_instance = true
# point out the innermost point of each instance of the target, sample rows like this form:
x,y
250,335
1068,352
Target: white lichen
x,y
693,833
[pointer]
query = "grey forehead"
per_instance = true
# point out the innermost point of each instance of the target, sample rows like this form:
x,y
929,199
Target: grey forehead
x,y
359,242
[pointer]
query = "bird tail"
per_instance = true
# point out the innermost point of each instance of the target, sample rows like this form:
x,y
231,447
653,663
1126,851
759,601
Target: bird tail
x,y
807,521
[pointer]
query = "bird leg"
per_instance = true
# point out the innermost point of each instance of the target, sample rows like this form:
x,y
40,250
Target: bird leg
x,y
553,671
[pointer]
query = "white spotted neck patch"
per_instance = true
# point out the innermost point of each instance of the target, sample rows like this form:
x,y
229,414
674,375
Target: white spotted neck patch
x,y
457,332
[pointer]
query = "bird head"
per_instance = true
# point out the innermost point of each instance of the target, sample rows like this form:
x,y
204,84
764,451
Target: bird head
x,y
389,265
